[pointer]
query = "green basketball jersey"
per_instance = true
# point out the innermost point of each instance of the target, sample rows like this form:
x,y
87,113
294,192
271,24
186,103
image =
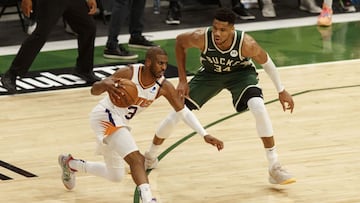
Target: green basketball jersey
x,y
216,60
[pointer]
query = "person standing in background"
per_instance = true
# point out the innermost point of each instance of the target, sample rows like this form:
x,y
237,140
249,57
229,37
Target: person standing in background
x,y
119,13
78,14
174,13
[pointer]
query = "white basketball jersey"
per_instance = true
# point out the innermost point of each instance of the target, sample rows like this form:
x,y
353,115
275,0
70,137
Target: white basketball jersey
x,y
146,94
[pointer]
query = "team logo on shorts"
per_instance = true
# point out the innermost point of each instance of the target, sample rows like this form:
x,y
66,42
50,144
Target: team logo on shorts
x,y
234,53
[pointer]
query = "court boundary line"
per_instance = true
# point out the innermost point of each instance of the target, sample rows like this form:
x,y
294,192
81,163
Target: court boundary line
x,y
185,138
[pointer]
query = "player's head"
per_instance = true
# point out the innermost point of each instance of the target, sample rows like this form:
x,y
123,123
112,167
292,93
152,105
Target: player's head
x,y
223,26
156,60
225,15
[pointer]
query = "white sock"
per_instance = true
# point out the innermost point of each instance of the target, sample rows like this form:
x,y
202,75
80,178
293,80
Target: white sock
x,y
271,155
145,192
153,150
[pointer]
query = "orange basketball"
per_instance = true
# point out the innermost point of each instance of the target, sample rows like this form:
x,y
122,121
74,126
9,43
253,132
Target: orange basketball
x,y
130,94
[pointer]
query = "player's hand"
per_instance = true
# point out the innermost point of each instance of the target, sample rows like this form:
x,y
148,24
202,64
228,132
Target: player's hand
x,y
111,85
214,141
286,101
26,7
92,6
183,89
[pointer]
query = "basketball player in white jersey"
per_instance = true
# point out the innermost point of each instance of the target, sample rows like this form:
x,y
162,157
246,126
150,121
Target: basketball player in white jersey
x,y
111,124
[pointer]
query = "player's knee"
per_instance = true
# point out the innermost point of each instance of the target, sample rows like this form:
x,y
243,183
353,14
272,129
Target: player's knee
x,y
256,105
250,93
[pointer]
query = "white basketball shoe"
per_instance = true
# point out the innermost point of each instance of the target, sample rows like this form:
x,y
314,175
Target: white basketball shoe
x,y
278,175
150,161
68,174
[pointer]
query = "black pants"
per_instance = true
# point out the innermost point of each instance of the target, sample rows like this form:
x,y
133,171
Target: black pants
x,y
48,13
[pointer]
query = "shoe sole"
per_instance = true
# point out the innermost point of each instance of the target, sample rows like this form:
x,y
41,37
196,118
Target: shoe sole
x,y
324,24
247,17
172,22
139,46
120,57
285,182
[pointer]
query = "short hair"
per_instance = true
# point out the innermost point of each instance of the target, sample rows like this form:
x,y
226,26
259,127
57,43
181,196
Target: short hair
x,y
154,51
225,15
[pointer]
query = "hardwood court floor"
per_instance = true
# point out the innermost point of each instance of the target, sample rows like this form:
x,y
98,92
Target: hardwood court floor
x,y
319,143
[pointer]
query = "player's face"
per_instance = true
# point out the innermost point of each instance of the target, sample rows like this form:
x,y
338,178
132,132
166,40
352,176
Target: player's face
x,y
222,32
159,65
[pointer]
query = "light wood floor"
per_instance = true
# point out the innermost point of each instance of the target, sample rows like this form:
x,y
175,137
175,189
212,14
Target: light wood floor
x,y
319,143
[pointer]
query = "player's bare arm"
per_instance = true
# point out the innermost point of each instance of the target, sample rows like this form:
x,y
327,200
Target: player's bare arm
x,y
168,91
194,39
110,83
253,50
250,48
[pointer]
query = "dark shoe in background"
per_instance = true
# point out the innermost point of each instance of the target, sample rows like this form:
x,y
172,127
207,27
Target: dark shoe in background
x,y
141,42
90,78
242,12
347,6
119,53
174,15
8,81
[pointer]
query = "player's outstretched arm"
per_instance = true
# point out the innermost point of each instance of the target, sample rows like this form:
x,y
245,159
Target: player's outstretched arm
x,y
182,112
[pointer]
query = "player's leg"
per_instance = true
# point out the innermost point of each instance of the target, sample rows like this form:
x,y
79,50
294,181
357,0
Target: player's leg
x,y
123,143
247,95
84,25
277,174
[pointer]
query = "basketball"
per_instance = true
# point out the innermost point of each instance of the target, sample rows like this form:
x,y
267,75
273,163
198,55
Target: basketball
x,y
130,94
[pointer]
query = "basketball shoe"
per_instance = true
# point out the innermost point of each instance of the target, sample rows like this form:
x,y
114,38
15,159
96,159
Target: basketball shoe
x,y
68,174
268,10
278,175
150,161
141,42
310,6
325,17
347,6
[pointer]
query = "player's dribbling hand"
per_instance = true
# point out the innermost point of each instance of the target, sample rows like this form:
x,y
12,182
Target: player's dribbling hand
x,y
112,85
214,141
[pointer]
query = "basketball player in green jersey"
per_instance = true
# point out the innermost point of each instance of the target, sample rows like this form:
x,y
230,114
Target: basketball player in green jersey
x,y
226,58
